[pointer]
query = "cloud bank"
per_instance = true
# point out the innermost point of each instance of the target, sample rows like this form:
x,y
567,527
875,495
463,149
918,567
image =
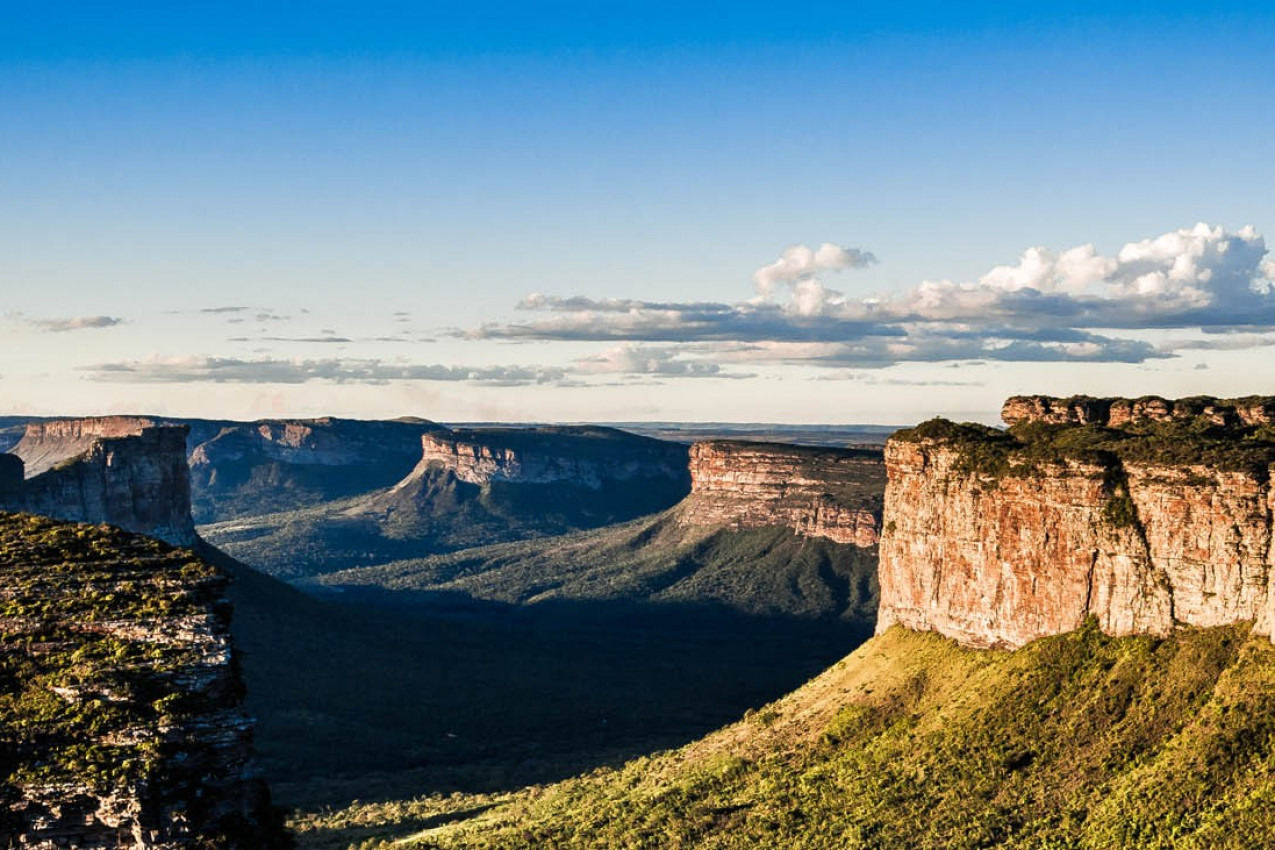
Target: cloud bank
x,y
1075,305
273,371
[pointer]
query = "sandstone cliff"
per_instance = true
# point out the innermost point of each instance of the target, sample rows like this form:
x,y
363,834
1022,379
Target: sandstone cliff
x,y
1144,514
117,470
817,492
580,456
45,445
120,719
245,468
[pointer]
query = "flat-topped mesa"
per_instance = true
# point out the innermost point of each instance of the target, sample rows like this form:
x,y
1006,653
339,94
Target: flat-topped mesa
x,y
1121,412
45,445
996,538
123,473
817,492
587,457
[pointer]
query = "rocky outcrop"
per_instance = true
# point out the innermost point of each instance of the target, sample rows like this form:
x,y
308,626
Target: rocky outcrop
x,y
245,468
114,470
1122,412
46,445
817,492
120,718
996,539
584,457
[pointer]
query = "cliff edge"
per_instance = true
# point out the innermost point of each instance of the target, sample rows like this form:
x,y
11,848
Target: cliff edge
x,y
817,492
120,717
1144,514
119,470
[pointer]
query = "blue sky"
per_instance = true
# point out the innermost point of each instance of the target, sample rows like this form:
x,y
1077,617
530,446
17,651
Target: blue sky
x,y
260,209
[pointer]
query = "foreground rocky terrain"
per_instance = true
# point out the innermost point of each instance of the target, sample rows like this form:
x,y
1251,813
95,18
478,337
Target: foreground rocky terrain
x,y
121,723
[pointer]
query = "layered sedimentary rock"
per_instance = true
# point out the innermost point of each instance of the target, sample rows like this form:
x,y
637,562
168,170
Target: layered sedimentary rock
x,y
245,468
120,717
583,457
45,445
1119,412
817,492
997,539
115,470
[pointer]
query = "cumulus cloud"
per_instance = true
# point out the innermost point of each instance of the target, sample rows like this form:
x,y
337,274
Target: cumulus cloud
x,y
1071,305
272,371
801,262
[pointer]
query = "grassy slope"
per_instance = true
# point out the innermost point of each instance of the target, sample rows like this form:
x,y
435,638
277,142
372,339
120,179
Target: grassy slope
x,y
1075,741
764,571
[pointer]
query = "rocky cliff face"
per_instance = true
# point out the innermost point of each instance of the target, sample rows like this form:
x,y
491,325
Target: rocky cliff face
x,y
1121,412
817,492
240,469
120,719
45,445
115,470
583,457
996,539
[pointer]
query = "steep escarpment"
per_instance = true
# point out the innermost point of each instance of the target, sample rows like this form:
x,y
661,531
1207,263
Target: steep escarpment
x,y
45,445
817,492
118,470
768,529
1143,514
120,718
471,487
247,468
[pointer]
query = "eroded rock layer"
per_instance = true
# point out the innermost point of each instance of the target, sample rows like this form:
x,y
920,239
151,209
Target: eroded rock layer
x,y
120,718
817,492
581,456
1143,521
116,470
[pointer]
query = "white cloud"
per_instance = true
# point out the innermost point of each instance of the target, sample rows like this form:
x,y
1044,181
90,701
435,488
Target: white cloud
x,y
800,262
1046,306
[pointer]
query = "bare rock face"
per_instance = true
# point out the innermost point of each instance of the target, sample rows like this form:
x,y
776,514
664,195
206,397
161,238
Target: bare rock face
x,y
583,457
114,470
1123,412
45,445
120,719
817,492
246,468
995,541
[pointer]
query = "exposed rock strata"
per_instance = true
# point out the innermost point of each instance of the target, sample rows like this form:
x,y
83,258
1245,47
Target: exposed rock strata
x,y
120,719
116,470
994,542
817,492
583,457
1119,412
46,445
241,469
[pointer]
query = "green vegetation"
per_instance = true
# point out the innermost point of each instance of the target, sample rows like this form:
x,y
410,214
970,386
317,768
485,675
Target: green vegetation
x,y
1031,448
436,513
759,571
82,689
1076,741
375,694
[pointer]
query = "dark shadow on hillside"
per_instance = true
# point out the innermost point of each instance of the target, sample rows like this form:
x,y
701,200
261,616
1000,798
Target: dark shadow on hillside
x,y
388,694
